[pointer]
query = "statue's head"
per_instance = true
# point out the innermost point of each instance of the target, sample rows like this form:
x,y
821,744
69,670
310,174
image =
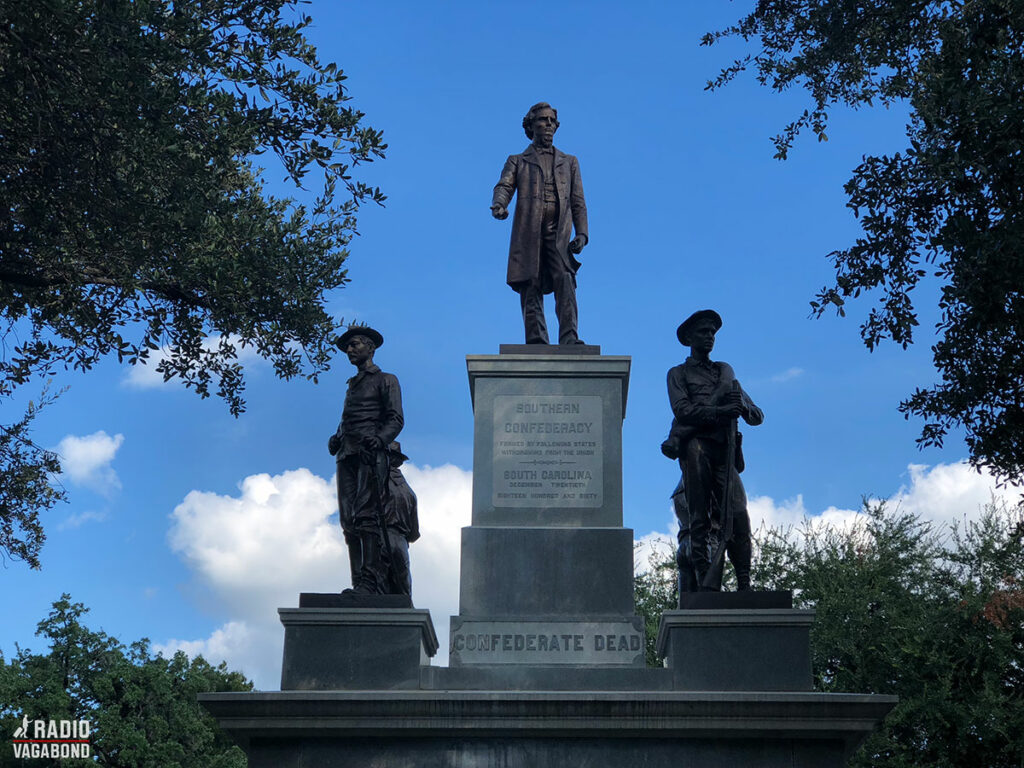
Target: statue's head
x,y
699,329
548,116
359,343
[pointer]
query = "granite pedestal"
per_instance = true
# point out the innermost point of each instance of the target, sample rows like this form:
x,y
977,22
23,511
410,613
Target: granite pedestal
x,y
740,649
355,648
547,568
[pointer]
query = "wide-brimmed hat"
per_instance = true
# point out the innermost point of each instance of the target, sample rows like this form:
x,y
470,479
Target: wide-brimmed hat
x,y
683,331
360,330
395,449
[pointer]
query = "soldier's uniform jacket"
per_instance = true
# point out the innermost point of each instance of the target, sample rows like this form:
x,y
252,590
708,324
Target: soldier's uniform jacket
x,y
694,390
373,406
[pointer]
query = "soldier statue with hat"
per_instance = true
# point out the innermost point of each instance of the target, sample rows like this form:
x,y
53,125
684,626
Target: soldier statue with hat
x,y
370,421
706,401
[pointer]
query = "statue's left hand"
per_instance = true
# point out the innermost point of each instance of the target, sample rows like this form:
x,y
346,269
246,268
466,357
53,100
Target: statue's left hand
x,y
368,448
577,244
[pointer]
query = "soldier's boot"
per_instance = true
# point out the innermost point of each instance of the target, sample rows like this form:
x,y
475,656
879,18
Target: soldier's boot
x,y
687,581
399,578
707,577
687,576
355,557
739,556
372,577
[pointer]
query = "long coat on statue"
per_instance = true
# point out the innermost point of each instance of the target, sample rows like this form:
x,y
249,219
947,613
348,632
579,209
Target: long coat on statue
x,y
523,176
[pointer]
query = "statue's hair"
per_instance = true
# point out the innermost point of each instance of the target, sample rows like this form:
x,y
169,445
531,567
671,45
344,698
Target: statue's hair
x,y
528,119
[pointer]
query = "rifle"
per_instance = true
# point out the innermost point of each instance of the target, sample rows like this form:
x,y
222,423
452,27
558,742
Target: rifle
x,y
376,464
713,577
380,470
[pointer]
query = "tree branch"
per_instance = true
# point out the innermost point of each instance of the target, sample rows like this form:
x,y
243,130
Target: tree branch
x,y
167,290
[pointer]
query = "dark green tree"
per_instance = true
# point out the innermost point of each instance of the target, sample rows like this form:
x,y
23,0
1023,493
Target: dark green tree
x,y
133,215
27,486
949,206
655,590
935,617
142,708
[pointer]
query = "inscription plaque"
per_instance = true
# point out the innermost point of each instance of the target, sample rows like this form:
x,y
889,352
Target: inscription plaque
x,y
547,451
600,643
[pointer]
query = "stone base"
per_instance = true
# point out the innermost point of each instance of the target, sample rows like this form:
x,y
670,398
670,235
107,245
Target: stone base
x,y
737,649
549,349
747,599
515,677
452,729
517,572
331,649
352,600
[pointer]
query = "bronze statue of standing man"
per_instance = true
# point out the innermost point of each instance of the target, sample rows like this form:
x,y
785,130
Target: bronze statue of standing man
x,y
370,421
542,253
706,401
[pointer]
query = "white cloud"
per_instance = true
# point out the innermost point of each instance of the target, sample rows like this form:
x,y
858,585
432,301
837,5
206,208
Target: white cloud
x,y
653,546
942,494
81,518
950,492
764,511
143,375
272,541
445,507
251,647
219,644
787,375
86,460
256,551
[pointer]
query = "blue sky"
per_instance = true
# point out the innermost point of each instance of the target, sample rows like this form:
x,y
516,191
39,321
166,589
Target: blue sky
x,y
190,527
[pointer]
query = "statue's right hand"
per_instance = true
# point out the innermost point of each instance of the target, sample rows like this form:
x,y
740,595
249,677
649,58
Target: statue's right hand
x,y
500,212
729,410
333,444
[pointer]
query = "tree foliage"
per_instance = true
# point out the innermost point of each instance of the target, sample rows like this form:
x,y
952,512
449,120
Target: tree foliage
x,y
142,708
655,590
27,486
934,616
949,206
133,216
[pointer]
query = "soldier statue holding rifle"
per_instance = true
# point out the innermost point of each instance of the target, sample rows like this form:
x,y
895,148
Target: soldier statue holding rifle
x,y
706,402
377,527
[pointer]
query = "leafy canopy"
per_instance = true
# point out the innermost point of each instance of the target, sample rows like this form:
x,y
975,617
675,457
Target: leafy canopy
x,y
142,709
133,216
950,206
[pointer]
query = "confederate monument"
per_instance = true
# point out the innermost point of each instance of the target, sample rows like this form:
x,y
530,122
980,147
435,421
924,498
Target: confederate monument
x,y
547,657
378,509
542,253
706,400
